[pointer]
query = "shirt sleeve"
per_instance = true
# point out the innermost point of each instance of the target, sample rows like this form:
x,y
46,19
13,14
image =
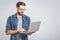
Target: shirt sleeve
x,y
8,24
28,21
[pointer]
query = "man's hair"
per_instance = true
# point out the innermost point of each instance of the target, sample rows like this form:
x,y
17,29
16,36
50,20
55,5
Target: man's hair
x,y
20,3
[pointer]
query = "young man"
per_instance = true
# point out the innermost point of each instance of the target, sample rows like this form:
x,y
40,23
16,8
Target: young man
x,y
18,23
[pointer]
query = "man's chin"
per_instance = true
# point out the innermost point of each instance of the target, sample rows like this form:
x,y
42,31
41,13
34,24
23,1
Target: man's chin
x,y
20,14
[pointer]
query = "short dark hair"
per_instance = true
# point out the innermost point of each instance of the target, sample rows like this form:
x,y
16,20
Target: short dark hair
x,y
20,3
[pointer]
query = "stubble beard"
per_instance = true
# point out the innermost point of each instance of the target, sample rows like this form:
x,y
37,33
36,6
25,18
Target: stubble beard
x,y
20,13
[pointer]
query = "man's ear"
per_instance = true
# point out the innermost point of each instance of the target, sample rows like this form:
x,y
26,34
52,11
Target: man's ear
x,y
16,8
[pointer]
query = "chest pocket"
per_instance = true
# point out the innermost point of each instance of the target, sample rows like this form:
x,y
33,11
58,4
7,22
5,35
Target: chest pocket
x,y
14,23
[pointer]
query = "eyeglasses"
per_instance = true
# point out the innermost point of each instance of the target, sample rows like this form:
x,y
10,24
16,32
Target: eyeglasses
x,y
22,9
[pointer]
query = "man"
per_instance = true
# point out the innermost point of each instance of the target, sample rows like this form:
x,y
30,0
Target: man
x,y
18,23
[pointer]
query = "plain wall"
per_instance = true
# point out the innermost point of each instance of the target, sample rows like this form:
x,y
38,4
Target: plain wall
x,y
46,11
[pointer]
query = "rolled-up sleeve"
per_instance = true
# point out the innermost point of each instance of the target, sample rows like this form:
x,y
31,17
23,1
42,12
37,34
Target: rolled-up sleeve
x,y
8,24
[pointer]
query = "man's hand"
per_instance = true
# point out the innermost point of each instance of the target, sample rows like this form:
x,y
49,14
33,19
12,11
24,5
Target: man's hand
x,y
21,30
30,33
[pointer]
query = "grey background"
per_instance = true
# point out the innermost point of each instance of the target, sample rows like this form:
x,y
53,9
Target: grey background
x,y
46,11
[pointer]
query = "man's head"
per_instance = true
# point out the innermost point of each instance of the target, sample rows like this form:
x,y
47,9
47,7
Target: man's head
x,y
20,6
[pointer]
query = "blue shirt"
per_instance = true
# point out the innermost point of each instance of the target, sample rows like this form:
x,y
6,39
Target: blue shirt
x,y
12,24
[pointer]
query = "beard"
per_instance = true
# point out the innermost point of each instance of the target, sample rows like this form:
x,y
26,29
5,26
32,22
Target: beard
x,y
20,13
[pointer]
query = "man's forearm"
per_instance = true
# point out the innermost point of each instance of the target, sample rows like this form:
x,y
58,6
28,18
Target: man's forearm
x,y
10,32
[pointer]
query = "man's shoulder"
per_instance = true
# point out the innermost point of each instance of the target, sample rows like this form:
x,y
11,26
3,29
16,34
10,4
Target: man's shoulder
x,y
26,16
14,15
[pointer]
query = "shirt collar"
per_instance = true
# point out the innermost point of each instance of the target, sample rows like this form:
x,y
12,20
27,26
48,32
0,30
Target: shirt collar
x,y
15,15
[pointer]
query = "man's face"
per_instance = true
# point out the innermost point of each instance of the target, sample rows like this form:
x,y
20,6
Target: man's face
x,y
21,9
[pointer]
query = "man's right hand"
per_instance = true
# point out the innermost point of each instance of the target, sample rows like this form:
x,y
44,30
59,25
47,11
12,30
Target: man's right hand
x,y
21,30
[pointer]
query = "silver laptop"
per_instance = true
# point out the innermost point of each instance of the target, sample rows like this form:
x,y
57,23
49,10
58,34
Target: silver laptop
x,y
34,26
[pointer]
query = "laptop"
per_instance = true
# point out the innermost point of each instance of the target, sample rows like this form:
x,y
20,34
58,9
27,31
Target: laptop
x,y
33,27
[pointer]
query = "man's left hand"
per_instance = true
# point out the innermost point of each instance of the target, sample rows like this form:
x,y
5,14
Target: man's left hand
x,y
29,33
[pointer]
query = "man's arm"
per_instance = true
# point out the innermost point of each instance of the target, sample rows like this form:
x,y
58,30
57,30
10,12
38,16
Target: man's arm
x,y
10,32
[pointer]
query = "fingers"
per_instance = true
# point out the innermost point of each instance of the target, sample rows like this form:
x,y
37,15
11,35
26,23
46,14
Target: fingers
x,y
22,30
29,33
